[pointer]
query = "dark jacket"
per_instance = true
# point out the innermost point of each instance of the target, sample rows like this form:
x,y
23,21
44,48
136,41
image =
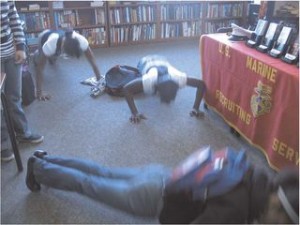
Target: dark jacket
x,y
243,204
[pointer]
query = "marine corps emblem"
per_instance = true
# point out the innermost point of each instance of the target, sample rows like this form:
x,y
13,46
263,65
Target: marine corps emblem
x,y
261,102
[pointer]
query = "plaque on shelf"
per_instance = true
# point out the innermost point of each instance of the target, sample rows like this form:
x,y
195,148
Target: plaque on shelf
x,y
258,34
268,40
282,42
292,54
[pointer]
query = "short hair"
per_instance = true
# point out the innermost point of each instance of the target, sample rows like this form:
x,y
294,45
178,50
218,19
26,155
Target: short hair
x,y
71,45
167,89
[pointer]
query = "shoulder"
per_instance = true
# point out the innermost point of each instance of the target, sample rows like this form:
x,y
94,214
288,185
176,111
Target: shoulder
x,y
83,42
49,47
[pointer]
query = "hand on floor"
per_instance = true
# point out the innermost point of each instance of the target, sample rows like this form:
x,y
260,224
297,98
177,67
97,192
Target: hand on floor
x,y
137,118
41,96
197,113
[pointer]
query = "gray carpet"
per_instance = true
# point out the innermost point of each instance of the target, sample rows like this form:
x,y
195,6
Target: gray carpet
x,y
74,124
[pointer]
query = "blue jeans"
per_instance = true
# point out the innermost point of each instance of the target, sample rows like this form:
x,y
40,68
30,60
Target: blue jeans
x,y
138,191
13,93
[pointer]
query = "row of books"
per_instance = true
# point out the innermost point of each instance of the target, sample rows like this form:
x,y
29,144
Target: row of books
x,y
36,21
212,27
73,18
183,29
61,5
215,10
142,13
181,12
95,36
31,38
142,32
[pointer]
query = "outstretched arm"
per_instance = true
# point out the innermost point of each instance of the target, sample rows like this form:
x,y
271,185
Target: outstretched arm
x,y
91,58
40,61
130,89
200,85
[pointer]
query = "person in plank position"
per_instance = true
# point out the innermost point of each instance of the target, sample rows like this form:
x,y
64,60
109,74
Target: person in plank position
x,y
53,44
239,193
160,77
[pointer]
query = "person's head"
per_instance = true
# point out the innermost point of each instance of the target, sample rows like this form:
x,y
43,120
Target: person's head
x,y
71,45
166,87
283,203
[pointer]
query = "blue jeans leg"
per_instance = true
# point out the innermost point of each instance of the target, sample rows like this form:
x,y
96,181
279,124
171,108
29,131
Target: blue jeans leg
x,y
13,92
136,191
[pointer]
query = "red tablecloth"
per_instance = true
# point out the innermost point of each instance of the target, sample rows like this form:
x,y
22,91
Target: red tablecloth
x,y
256,94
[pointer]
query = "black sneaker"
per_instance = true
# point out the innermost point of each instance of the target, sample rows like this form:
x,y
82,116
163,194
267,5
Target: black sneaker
x,y
7,155
33,139
31,183
40,154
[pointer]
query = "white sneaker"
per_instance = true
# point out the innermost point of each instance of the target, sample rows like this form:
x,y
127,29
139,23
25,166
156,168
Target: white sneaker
x,y
7,155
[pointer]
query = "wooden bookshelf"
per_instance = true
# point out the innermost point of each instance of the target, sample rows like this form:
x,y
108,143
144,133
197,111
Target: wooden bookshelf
x,y
132,22
89,18
113,23
222,14
285,11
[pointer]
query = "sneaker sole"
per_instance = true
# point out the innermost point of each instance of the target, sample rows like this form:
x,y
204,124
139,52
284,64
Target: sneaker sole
x,y
7,159
31,141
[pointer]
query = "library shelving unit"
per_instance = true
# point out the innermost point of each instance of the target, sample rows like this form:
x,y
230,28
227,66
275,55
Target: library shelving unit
x,y
113,23
36,17
285,11
132,22
222,14
180,20
86,17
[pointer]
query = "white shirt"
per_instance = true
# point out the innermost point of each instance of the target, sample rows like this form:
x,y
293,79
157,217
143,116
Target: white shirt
x,y
49,47
150,79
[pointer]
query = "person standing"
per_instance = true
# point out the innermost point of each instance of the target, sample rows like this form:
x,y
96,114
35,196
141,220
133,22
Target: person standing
x,y
13,55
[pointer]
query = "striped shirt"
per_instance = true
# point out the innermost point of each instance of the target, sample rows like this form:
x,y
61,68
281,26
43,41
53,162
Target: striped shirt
x,y
12,34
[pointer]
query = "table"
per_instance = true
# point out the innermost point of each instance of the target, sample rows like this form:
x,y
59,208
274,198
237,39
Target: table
x,y
255,94
9,124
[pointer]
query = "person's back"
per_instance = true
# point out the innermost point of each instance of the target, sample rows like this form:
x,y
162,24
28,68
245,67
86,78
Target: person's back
x,y
242,204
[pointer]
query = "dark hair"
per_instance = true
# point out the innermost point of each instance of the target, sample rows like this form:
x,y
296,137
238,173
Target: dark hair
x,y
288,180
71,45
167,89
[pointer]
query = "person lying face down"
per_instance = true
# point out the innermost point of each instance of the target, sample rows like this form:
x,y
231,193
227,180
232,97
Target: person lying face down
x,y
53,44
161,78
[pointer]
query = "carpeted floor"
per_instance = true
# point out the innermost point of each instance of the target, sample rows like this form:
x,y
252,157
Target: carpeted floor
x,y
74,124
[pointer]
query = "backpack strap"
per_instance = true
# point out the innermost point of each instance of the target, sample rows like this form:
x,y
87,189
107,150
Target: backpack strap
x,y
58,45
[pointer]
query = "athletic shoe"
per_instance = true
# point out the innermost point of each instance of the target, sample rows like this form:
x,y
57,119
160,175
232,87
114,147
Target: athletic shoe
x,y
40,154
31,183
7,155
33,139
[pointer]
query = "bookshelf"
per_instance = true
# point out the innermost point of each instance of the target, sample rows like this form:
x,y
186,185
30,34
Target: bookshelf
x,y
114,23
36,17
132,22
180,19
86,17
222,14
286,11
